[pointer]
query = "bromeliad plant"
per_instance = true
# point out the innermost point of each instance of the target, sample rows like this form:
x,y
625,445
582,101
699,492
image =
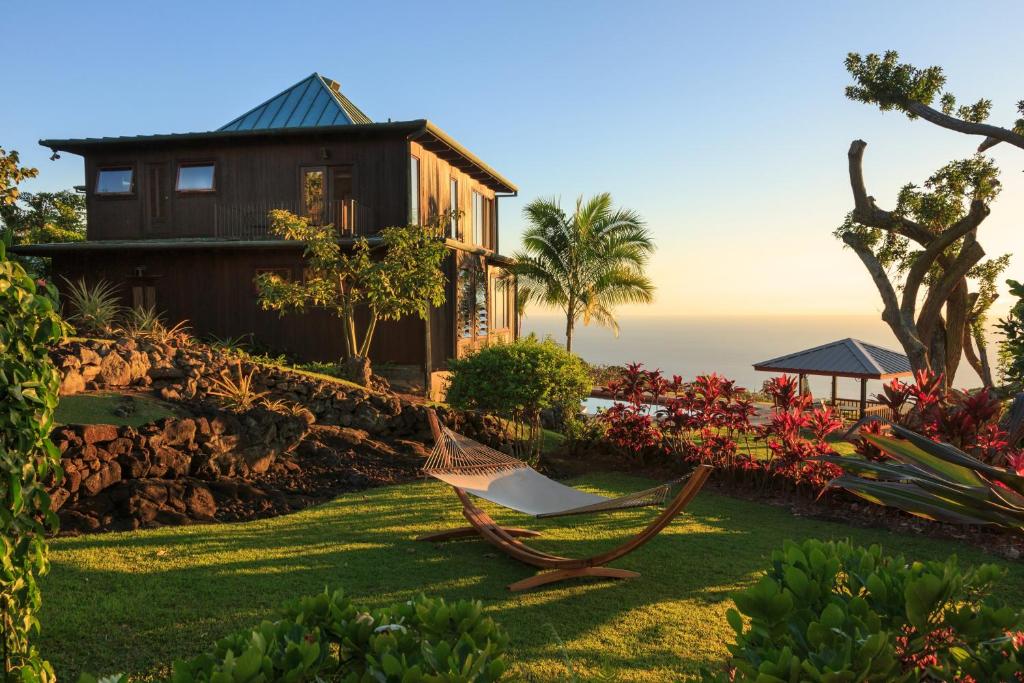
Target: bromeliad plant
x,y
936,481
93,309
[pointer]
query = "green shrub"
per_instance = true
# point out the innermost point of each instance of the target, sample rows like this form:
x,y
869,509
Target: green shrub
x,y
518,380
326,637
29,323
837,612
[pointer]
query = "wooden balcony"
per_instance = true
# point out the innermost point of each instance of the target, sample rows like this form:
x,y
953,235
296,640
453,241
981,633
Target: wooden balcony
x,y
252,222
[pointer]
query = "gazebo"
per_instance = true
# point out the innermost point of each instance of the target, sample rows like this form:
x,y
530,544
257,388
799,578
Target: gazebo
x,y
842,358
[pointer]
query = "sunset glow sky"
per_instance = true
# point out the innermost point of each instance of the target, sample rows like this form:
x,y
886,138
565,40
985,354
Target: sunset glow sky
x,y
725,126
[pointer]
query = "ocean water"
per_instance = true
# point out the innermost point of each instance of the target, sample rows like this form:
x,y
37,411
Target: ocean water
x,y
693,345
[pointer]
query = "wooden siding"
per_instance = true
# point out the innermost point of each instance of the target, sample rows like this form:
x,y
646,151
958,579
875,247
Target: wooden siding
x,y
435,195
247,173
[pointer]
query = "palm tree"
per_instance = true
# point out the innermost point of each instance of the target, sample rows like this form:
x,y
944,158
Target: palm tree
x,y
584,264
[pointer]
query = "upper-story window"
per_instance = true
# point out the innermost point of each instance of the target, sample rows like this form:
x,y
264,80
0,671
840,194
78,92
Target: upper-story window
x,y
453,203
414,191
198,177
115,180
478,219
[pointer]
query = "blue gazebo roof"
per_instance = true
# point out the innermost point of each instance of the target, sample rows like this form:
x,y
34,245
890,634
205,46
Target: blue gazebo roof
x,y
313,101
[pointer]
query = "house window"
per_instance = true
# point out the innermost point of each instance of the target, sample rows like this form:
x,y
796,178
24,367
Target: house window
x,y
478,219
482,322
195,178
313,195
501,293
467,303
453,204
119,180
414,191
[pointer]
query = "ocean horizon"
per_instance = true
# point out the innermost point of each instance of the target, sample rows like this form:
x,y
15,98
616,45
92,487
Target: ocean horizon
x,y
729,345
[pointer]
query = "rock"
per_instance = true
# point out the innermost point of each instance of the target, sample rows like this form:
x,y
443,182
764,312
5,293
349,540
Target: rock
x,y
169,394
138,365
58,497
178,432
98,433
165,372
199,503
357,369
114,371
88,356
90,372
102,478
72,383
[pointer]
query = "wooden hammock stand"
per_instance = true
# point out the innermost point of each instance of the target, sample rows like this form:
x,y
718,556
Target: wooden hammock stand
x,y
561,568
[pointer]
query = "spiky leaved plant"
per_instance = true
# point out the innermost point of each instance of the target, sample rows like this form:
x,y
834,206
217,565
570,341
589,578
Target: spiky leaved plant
x,y
934,480
95,309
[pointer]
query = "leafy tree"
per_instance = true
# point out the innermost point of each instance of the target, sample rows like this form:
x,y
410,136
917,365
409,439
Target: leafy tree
x,y
884,81
518,380
28,459
42,218
405,279
924,255
585,264
1011,349
11,173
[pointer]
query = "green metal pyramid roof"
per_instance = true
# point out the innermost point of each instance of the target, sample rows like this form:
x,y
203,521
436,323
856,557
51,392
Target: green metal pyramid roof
x,y
313,101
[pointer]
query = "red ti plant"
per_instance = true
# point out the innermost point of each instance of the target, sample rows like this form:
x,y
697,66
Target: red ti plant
x,y
785,392
631,426
897,397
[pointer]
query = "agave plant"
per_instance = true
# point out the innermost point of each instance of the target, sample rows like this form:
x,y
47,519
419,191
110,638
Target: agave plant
x,y
95,309
147,323
237,393
934,480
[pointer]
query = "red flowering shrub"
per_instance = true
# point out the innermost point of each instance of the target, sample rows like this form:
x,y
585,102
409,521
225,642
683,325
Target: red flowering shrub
x,y
708,421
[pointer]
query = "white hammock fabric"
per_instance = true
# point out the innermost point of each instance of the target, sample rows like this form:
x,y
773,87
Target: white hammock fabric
x,y
486,473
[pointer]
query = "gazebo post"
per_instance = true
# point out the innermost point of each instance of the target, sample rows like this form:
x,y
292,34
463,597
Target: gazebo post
x,y
835,383
863,397
800,380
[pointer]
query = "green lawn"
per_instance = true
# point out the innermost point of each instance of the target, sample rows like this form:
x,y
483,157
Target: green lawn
x,y
133,601
99,407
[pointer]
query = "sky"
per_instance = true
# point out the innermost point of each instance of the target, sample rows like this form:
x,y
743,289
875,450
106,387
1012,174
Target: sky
x,y
724,124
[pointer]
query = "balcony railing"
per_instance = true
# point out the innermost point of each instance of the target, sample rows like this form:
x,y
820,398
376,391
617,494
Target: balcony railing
x,y
252,222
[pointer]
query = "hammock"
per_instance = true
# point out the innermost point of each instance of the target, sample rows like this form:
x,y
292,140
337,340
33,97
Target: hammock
x,y
486,473
470,467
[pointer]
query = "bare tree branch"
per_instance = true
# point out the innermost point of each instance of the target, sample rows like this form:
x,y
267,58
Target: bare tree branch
x,y
939,292
901,327
865,210
993,134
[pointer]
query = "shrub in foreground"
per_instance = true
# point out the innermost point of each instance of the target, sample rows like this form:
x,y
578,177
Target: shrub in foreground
x,y
29,323
326,637
837,612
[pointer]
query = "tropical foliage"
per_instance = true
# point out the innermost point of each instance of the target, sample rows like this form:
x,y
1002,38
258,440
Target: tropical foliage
x,y
238,393
936,480
585,264
1011,349
518,380
838,612
405,279
327,637
29,323
41,218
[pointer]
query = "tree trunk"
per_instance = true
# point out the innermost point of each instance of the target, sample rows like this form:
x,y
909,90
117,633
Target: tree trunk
x,y
427,355
568,334
978,360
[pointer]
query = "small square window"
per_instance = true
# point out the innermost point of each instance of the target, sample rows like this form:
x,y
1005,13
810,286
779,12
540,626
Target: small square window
x,y
195,178
115,181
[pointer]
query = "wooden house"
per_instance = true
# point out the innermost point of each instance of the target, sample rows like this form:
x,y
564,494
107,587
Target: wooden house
x,y
179,222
